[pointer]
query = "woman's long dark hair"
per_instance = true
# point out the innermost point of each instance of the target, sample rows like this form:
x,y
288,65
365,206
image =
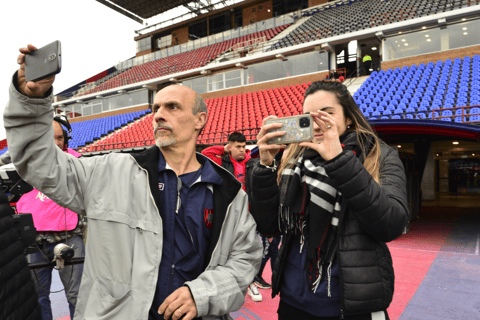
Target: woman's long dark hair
x,y
359,124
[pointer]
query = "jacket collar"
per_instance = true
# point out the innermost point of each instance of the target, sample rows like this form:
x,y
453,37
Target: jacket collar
x,y
209,175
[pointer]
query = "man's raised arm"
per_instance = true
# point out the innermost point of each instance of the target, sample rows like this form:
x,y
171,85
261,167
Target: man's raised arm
x,y
28,119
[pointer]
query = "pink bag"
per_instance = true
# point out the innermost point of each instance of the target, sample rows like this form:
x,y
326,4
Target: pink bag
x,y
47,215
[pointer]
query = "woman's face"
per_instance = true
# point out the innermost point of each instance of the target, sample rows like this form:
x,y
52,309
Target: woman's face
x,y
327,102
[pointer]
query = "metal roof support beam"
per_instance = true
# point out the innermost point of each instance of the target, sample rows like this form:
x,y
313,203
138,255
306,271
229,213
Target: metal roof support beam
x,y
120,10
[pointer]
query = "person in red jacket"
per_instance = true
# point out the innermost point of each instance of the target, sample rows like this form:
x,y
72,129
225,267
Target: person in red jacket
x,y
234,156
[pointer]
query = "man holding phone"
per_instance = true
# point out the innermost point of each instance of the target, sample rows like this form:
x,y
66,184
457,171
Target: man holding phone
x,y
170,235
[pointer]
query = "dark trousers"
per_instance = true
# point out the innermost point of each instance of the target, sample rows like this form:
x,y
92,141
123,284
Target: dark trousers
x,y
288,312
367,65
270,251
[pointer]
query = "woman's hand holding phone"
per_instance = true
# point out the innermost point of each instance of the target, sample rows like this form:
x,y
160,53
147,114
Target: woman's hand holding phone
x,y
330,147
268,152
31,89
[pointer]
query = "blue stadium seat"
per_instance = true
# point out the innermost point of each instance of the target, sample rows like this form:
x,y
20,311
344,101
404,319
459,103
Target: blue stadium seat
x,y
431,115
474,118
474,110
410,110
420,115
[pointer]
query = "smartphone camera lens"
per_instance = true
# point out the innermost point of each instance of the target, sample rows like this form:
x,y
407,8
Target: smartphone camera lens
x,y
304,122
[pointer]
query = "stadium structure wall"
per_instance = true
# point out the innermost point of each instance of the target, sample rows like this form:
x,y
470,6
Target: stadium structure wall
x,y
180,36
257,12
432,57
313,3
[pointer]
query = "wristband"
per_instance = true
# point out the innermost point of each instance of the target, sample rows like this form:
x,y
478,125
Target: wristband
x,y
272,167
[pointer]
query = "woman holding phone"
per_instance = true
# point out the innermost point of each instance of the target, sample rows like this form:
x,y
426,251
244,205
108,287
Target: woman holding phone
x,y
336,200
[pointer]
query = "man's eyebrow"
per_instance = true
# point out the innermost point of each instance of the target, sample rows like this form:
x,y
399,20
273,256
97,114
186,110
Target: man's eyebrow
x,y
167,103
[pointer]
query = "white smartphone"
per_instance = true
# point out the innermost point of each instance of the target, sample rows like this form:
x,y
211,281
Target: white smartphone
x,y
297,129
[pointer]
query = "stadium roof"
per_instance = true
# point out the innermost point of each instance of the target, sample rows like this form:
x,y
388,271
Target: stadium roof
x,y
148,8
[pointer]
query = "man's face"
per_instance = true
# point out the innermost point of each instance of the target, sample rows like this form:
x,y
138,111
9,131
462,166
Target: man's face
x,y
58,135
174,122
237,150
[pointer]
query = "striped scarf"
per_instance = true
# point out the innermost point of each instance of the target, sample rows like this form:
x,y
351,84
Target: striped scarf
x,y
310,206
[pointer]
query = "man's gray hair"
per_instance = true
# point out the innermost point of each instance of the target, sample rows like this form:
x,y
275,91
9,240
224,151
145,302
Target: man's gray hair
x,y
200,105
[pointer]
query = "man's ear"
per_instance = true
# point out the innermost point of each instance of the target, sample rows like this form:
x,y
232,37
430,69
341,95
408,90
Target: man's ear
x,y
201,120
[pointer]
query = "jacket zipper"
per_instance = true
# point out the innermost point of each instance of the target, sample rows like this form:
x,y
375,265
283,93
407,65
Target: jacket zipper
x,y
340,276
157,266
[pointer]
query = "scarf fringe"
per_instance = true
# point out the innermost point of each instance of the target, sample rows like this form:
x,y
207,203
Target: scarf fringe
x,y
319,277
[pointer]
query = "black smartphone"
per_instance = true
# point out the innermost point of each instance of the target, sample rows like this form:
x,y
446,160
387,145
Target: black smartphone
x,y
297,129
44,62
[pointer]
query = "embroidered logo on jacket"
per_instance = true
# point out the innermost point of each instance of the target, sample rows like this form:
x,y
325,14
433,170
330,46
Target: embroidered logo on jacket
x,y
41,196
160,186
208,217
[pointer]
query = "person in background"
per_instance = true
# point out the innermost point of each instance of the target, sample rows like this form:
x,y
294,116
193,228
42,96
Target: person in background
x,y
336,200
55,225
367,63
270,251
18,299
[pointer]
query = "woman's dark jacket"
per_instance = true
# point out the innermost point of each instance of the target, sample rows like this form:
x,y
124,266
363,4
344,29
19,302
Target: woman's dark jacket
x,y
374,215
18,299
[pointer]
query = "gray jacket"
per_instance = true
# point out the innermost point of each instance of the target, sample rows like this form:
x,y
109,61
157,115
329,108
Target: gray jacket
x,y
124,247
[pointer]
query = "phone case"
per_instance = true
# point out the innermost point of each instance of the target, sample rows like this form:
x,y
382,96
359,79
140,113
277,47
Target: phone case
x,y
44,62
294,132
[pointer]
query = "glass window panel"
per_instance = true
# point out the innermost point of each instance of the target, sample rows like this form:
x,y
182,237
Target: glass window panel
x,y
187,83
97,108
261,26
227,35
244,31
235,33
211,39
86,110
137,98
197,43
190,45
199,85
183,47
170,51
116,102
104,105
233,83
413,44
232,74
279,21
463,34
287,19
270,23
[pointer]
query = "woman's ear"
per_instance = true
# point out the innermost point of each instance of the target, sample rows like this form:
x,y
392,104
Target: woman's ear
x,y
348,121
